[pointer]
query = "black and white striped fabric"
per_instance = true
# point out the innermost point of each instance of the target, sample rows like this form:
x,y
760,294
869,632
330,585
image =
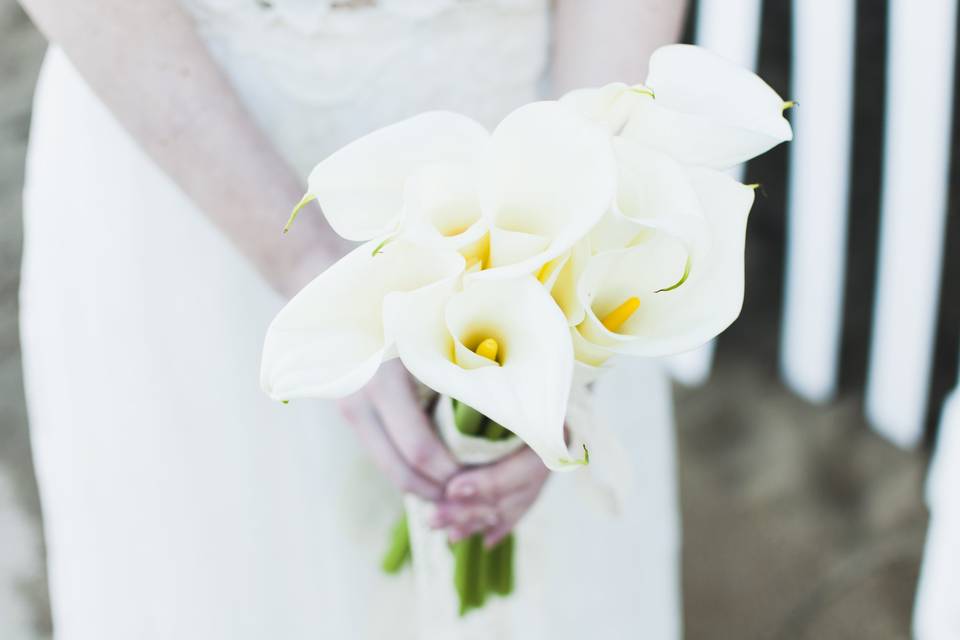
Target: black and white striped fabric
x,y
871,242
825,247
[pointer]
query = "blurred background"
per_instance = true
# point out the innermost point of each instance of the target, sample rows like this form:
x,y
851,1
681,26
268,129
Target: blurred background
x,y
799,519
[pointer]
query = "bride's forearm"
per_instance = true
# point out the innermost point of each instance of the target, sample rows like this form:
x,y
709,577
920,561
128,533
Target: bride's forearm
x,y
598,42
146,62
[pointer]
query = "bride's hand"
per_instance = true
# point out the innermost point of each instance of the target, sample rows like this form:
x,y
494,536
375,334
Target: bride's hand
x,y
491,499
399,435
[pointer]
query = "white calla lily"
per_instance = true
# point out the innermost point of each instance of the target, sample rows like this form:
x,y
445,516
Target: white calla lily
x,y
361,187
665,293
443,206
610,105
329,340
653,190
509,248
560,277
553,177
590,357
536,185
707,111
527,387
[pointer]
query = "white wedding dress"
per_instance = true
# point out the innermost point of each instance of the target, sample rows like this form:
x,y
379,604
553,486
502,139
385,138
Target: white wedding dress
x,y
178,501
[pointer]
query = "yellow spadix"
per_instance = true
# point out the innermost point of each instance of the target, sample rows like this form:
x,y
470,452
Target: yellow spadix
x,y
489,349
615,319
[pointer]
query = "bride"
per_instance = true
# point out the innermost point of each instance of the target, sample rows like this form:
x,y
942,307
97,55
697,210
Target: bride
x,y
168,142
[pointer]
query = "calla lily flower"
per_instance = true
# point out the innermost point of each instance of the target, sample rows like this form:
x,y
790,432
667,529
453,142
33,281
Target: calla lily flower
x,y
504,266
667,293
532,188
610,105
702,109
525,388
329,340
560,277
361,187
554,176
654,191
655,194
707,110
443,208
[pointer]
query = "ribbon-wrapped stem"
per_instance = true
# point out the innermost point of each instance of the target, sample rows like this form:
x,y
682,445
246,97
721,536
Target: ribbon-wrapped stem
x,y
478,571
454,579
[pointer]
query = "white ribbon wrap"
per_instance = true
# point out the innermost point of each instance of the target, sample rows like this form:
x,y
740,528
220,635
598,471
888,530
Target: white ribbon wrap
x,y
437,603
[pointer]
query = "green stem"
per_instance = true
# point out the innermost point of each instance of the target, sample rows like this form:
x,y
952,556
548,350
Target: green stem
x,y
469,574
478,574
469,421
504,585
398,552
461,567
495,431
478,571
494,574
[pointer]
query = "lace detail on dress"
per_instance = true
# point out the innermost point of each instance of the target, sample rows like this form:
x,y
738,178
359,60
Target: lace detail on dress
x,y
352,4
319,73
313,16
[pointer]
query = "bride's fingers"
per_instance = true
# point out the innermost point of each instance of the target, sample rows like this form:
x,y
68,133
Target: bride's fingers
x,y
410,429
511,509
498,533
495,518
464,520
455,534
358,412
459,514
492,482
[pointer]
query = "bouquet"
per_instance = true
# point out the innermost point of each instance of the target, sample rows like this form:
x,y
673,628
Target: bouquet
x,y
506,269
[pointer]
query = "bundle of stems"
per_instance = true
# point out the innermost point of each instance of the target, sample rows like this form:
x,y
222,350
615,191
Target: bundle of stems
x,y
478,571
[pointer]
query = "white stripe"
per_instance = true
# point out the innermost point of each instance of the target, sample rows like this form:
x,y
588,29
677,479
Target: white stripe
x,y
913,214
936,613
730,28
816,241
693,367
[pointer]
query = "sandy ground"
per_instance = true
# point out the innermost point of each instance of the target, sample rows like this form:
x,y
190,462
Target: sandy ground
x,y
798,522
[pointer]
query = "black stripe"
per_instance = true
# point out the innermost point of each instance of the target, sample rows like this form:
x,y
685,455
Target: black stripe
x,y
947,345
869,109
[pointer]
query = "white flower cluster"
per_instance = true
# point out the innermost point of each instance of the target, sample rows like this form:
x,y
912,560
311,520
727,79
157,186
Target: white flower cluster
x,y
495,264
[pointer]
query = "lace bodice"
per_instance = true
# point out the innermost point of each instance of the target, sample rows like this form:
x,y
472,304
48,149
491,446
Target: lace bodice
x,y
319,73
330,16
